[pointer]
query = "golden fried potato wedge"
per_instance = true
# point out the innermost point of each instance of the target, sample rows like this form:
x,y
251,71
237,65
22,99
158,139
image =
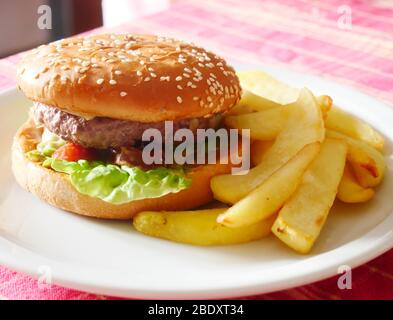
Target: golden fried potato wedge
x,y
258,150
301,219
198,227
350,191
257,102
325,103
263,125
368,164
351,126
252,106
267,124
268,197
239,109
266,86
304,126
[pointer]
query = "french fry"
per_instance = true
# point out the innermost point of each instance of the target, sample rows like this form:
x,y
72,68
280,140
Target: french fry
x,y
266,86
368,164
351,126
267,124
301,219
267,198
257,102
350,191
325,102
272,92
304,126
251,102
263,125
239,109
258,150
198,227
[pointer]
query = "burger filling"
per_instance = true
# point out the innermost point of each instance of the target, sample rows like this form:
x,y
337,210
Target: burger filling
x,y
104,133
103,156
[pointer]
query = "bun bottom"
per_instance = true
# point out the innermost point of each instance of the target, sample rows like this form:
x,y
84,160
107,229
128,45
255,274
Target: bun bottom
x,y
55,188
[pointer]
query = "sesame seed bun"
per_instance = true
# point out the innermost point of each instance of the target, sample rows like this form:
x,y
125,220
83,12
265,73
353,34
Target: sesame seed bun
x,y
56,189
131,77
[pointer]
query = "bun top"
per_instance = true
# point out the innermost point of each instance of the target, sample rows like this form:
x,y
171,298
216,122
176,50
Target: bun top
x,y
142,78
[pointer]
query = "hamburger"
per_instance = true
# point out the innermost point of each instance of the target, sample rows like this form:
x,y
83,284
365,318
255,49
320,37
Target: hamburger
x,y
93,98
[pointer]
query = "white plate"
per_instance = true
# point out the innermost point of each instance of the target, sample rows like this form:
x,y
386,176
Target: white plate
x,y
111,258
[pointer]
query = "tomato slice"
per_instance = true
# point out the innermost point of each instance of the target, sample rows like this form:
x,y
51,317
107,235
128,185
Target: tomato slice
x,y
74,152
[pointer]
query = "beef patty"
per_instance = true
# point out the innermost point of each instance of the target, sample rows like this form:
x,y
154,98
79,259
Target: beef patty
x,y
102,132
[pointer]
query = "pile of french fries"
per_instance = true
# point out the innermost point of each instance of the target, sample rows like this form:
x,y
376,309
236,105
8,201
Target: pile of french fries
x,y
305,151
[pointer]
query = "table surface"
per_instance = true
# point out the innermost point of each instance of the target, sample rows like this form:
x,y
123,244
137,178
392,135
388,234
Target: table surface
x,y
349,41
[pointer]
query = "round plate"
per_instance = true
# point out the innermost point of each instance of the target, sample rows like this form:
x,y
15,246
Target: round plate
x,y
112,258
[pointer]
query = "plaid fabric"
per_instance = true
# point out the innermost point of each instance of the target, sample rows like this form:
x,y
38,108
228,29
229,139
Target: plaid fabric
x,y
316,37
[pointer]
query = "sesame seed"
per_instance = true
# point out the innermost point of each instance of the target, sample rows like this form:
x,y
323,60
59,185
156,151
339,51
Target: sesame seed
x,y
123,94
179,87
186,75
209,98
63,79
100,81
94,65
178,78
193,86
142,62
187,70
112,82
147,79
153,75
82,70
117,72
139,73
165,78
150,69
179,99
189,84
85,63
195,98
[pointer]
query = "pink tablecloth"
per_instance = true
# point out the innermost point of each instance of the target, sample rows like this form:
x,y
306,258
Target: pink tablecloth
x,y
350,41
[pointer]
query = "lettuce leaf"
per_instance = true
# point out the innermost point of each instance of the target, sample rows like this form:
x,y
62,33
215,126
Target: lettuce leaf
x,y
109,182
117,185
50,142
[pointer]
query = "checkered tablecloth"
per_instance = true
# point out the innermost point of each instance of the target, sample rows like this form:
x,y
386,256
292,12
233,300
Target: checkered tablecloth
x,y
349,41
